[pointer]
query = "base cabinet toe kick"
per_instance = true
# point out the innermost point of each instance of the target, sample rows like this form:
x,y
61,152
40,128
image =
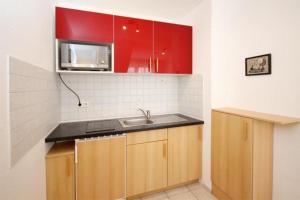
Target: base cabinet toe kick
x,y
124,166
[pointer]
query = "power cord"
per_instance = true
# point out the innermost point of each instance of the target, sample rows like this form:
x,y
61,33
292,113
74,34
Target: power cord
x,y
79,101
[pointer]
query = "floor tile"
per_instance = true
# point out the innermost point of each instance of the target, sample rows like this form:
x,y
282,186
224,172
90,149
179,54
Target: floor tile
x,y
195,186
177,191
157,196
194,191
203,194
183,196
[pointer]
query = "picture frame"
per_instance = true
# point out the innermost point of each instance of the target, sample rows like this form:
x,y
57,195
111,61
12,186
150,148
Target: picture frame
x,y
258,65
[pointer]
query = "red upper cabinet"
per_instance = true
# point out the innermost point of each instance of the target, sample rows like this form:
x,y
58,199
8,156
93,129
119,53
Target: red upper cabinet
x,y
173,48
133,39
83,26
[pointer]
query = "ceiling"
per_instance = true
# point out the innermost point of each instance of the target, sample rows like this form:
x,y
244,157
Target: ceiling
x,y
157,9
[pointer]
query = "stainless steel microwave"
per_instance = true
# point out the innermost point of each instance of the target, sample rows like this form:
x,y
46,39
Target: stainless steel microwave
x,y
85,57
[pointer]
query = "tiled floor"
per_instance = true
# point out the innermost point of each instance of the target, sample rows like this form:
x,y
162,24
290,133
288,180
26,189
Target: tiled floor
x,y
191,192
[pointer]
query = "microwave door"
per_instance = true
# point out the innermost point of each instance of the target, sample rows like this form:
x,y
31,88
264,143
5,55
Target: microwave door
x,y
81,56
65,55
84,56
73,55
103,56
68,55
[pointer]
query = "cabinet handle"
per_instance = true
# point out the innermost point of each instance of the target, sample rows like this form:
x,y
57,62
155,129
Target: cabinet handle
x,y
246,132
150,63
157,65
164,150
76,154
68,166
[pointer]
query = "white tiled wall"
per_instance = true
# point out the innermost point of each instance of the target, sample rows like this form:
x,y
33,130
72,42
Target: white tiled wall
x,y
190,95
34,105
111,96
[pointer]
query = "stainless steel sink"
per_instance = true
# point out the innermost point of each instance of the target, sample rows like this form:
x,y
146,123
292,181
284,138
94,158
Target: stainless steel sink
x,y
136,122
159,119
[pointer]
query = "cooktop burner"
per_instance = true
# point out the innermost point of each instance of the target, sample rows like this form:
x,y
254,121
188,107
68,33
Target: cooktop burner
x,y
100,126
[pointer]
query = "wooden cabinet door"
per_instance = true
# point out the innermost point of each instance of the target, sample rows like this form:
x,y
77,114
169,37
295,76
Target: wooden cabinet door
x,y
101,169
117,167
93,169
146,167
194,152
83,26
184,154
173,48
177,156
60,172
133,39
232,155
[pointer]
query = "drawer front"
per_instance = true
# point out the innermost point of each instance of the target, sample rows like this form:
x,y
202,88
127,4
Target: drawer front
x,y
146,136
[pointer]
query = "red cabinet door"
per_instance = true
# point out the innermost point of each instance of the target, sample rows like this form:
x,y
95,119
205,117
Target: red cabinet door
x,y
173,48
133,39
83,26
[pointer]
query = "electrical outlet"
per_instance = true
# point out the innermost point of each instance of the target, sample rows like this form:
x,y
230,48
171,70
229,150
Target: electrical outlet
x,y
84,104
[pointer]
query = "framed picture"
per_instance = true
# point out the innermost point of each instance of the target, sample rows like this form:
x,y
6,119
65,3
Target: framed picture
x,y
258,65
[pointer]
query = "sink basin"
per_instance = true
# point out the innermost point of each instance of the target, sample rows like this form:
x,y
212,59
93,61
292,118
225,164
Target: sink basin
x,y
160,119
135,122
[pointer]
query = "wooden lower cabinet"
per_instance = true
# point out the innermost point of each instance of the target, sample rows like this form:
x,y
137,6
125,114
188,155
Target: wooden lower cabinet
x,y
60,175
100,168
112,168
184,154
232,155
241,157
163,159
146,167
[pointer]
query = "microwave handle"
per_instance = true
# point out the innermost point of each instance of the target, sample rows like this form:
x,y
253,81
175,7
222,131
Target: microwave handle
x,y
97,56
69,54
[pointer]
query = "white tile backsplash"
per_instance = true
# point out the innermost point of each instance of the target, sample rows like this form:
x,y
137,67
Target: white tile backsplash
x,y
190,95
39,101
34,105
111,96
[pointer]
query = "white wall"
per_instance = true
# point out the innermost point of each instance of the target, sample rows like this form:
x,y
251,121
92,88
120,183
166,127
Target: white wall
x,y
26,33
200,18
243,29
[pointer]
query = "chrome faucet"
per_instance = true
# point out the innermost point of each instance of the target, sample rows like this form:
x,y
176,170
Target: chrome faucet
x,y
146,113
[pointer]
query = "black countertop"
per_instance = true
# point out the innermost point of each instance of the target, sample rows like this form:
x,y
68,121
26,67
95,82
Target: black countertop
x,y
84,129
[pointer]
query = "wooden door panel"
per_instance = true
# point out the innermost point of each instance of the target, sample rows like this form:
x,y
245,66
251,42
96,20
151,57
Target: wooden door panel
x,y
117,167
136,166
232,155
146,167
93,170
194,152
219,151
240,158
147,136
177,156
100,169
156,167
60,175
